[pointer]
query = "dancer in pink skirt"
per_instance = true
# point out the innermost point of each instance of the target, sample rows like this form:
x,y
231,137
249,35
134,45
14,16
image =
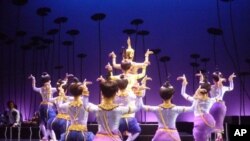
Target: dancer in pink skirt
x,y
204,122
166,114
218,110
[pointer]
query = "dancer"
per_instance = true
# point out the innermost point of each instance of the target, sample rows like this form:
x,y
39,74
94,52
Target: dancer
x,y
218,110
126,66
128,123
204,122
129,55
77,131
58,125
46,108
166,113
108,113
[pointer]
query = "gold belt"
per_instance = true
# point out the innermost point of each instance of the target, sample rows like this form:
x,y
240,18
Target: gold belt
x,y
103,135
63,116
221,101
46,103
167,130
127,115
78,127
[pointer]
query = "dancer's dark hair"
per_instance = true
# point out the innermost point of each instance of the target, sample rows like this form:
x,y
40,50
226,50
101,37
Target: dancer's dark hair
x,y
167,91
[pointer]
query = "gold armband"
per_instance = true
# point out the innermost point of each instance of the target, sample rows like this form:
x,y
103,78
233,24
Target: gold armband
x,y
63,116
78,127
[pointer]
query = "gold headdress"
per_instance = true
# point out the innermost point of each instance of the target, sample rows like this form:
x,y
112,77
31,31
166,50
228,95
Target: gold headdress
x,y
129,53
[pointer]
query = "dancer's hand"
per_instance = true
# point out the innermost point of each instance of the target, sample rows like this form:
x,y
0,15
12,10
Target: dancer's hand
x,y
183,78
149,52
108,67
145,79
31,77
140,90
100,79
231,77
85,82
85,88
112,54
199,74
67,75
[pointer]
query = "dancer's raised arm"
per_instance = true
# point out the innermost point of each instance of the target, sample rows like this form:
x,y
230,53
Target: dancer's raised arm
x,y
183,88
201,77
114,64
146,61
231,83
109,68
144,84
143,73
34,83
148,52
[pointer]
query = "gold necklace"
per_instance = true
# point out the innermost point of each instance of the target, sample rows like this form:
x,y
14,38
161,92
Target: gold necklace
x,y
107,107
167,105
76,103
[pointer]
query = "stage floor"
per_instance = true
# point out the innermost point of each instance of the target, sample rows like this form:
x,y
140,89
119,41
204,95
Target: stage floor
x,y
142,137
27,133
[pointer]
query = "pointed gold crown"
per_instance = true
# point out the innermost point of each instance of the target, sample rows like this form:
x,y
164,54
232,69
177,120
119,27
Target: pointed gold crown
x,y
129,53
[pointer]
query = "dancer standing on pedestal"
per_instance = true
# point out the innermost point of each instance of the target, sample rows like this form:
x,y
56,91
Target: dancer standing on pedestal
x,y
126,67
218,110
204,122
166,113
77,131
130,71
128,54
58,125
46,108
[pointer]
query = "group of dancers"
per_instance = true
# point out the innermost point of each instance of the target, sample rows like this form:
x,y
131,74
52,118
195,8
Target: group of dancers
x,y
65,117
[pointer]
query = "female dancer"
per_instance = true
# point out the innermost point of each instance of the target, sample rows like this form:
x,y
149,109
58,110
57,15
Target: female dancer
x,y
166,114
46,108
58,125
204,122
218,110
126,67
129,55
77,131
128,122
108,113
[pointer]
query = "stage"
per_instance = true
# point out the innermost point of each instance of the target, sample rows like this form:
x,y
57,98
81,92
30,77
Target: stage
x,y
148,129
27,132
31,132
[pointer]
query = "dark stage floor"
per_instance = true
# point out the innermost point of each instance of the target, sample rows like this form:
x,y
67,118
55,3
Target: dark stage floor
x,y
148,130
31,133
